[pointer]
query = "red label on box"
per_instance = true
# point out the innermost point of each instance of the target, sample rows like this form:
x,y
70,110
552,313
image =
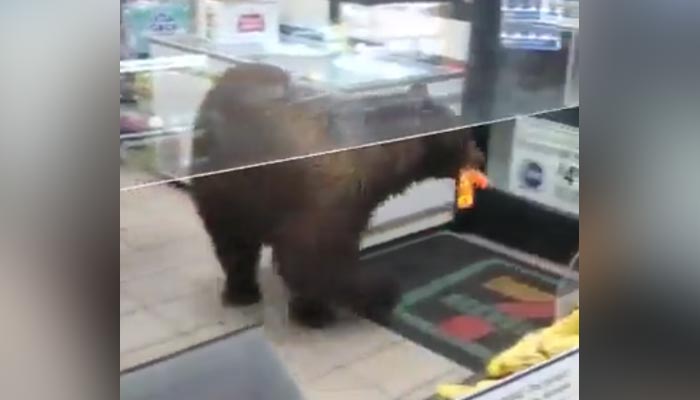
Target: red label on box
x,y
251,23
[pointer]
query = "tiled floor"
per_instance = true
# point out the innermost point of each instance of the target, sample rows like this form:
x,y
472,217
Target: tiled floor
x,y
169,286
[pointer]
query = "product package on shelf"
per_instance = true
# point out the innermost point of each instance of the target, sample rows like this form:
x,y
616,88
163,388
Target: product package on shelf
x,y
136,96
533,24
143,18
242,21
544,163
417,28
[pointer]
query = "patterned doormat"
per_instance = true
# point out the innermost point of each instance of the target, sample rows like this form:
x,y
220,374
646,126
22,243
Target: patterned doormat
x,y
462,300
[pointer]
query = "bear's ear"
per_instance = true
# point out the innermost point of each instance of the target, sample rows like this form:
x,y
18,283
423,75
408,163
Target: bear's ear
x,y
419,91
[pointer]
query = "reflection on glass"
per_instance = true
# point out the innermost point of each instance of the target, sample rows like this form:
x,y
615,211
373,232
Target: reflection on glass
x,y
366,105
355,75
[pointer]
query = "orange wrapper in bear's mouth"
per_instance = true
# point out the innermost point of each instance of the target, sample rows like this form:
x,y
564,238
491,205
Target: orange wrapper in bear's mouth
x,y
469,181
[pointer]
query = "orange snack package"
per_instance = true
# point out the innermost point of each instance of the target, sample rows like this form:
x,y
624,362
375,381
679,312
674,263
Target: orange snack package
x,y
469,181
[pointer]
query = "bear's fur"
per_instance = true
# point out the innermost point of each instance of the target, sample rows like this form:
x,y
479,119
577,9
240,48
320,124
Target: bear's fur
x,y
311,211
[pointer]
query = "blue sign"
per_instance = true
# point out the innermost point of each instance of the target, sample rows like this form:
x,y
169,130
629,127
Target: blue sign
x,y
532,175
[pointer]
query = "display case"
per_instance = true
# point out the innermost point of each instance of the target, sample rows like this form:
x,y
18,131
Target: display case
x,y
288,193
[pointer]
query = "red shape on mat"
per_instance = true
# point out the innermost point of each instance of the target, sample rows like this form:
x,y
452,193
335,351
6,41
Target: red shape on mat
x,y
533,310
466,328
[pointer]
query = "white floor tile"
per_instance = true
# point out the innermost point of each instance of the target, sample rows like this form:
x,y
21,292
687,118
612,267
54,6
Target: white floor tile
x,y
402,367
141,329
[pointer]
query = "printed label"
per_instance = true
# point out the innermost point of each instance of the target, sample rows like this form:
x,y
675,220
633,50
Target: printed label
x,y
566,186
545,163
251,23
163,24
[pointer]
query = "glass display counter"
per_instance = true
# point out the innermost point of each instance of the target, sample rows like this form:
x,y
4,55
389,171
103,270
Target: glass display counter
x,y
319,64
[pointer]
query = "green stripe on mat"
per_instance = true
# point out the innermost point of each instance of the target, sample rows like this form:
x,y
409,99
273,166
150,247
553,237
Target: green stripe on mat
x,y
442,283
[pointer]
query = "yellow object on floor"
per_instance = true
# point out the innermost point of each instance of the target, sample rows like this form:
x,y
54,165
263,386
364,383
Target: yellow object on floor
x,y
531,350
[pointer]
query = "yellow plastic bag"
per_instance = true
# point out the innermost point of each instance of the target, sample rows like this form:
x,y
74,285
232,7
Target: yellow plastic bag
x,y
537,347
531,350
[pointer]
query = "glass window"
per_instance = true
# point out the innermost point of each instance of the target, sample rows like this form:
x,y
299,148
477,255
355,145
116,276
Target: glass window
x,y
373,73
291,184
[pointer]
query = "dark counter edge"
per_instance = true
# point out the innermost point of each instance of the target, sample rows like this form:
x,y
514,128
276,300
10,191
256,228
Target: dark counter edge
x,y
188,349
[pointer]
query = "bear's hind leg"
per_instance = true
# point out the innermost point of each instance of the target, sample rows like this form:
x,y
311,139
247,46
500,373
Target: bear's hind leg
x,y
239,260
319,264
238,255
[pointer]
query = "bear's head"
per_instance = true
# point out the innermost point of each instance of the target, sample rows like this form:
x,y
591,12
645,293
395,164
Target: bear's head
x,y
446,151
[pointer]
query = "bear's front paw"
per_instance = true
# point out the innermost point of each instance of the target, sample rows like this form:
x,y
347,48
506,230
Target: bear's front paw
x,y
240,296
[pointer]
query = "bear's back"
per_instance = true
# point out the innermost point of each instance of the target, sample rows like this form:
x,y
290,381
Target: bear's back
x,y
254,114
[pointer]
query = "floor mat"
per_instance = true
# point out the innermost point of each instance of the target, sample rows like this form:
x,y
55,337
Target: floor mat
x,y
462,300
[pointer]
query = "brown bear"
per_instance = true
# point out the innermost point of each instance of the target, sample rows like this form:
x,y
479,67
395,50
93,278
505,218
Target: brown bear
x,y
311,211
